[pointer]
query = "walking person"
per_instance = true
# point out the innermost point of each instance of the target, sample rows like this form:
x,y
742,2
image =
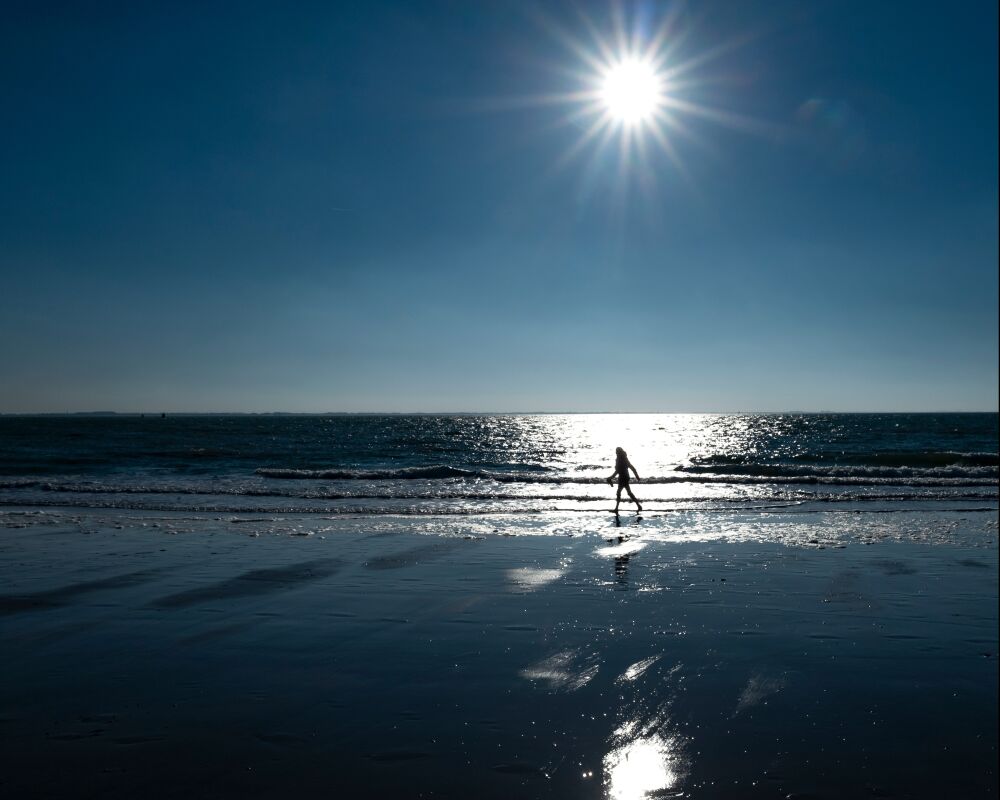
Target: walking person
x,y
622,466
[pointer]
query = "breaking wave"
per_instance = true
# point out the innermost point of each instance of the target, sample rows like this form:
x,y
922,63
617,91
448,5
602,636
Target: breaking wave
x,y
746,474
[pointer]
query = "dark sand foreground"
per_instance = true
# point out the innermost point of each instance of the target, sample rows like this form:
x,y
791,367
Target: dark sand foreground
x,y
189,657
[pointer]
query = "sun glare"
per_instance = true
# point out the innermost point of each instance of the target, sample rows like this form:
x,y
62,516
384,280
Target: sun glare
x,y
631,91
634,91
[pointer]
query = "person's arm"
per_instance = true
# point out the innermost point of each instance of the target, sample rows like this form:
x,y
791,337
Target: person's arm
x,y
633,470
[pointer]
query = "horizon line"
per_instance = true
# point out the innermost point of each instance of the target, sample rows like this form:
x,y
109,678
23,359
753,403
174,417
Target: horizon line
x,y
460,413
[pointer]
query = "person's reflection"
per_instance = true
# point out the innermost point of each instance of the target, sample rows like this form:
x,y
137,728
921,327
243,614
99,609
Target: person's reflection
x,y
618,524
621,570
621,562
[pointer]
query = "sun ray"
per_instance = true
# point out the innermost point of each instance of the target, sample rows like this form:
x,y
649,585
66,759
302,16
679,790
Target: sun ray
x,y
670,151
636,82
728,118
572,43
599,126
707,56
667,36
618,27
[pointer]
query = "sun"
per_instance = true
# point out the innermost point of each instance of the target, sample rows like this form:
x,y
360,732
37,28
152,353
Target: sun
x,y
635,88
632,91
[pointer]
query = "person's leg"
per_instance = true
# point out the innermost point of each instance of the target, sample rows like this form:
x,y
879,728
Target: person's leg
x,y
618,497
634,500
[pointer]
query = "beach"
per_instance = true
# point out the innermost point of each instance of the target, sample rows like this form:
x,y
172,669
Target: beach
x,y
706,653
499,400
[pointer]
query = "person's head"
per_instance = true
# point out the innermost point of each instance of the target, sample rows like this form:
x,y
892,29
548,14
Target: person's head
x,y
619,451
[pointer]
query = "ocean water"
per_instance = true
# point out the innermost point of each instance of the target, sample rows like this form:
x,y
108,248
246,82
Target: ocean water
x,y
487,464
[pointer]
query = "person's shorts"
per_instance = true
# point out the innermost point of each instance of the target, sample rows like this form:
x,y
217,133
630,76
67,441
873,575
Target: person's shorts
x,y
623,482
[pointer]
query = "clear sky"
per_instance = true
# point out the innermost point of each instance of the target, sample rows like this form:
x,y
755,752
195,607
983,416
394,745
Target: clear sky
x,y
394,206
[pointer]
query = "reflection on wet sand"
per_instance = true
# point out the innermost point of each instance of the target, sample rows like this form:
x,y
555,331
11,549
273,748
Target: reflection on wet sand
x,y
645,755
757,689
637,669
528,579
636,768
528,672
621,570
621,549
624,547
564,671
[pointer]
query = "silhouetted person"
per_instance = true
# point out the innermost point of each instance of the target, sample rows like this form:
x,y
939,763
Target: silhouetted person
x,y
622,466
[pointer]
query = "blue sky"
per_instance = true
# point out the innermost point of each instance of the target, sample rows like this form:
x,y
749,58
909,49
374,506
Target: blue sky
x,y
368,206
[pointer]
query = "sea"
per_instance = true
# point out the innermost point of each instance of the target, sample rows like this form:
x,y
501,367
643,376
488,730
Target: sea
x,y
471,464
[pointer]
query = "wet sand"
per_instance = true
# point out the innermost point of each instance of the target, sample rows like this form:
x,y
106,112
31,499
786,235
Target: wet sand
x,y
836,655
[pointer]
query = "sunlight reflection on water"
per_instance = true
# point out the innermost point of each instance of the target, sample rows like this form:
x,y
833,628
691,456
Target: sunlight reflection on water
x,y
472,465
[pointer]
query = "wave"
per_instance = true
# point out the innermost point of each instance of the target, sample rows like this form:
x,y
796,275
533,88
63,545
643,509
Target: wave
x,y
407,473
442,481
927,458
503,497
738,489
514,505
757,474
855,471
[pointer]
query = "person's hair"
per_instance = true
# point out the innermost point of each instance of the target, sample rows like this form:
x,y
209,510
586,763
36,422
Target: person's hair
x,y
619,451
